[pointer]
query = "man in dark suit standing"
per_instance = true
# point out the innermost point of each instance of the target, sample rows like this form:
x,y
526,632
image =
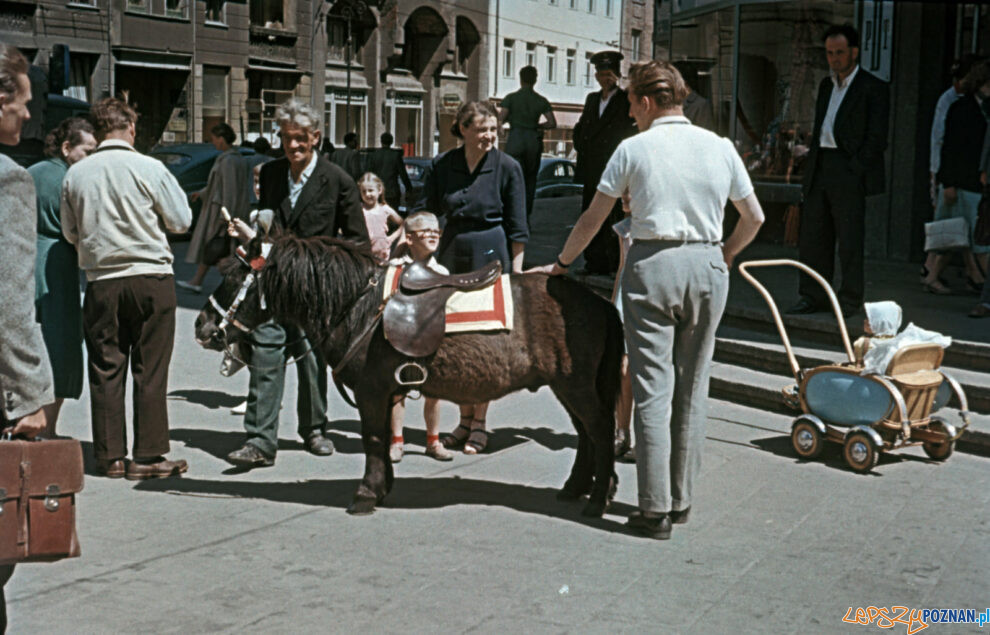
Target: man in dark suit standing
x,y
310,197
386,163
844,166
604,123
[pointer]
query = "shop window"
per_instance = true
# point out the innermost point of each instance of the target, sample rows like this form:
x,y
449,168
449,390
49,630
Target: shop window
x,y
636,45
216,12
701,48
530,54
215,96
571,67
551,65
508,63
269,14
588,74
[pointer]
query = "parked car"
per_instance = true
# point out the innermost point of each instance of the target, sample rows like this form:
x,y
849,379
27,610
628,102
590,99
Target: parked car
x,y
191,163
416,168
556,178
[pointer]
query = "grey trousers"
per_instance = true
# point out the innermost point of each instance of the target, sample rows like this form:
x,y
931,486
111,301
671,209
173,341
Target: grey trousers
x,y
673,297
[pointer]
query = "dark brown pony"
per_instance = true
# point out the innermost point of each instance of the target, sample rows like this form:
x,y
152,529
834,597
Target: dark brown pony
x,y
564,336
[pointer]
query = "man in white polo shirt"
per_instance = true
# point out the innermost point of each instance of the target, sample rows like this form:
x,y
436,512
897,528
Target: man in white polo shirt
x,y
116,206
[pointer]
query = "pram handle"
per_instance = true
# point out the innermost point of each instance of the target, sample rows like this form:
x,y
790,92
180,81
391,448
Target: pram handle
x,y
795,369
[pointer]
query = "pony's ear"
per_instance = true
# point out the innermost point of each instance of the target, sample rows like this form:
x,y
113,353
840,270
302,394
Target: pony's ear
x,y
265,219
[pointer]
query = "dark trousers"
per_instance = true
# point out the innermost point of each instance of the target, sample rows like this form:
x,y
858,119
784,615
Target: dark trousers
x,y
526,146
273,345
129,320
602,253
6,571
833,212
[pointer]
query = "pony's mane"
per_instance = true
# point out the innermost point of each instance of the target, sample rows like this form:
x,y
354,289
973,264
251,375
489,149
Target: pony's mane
x,y
314,281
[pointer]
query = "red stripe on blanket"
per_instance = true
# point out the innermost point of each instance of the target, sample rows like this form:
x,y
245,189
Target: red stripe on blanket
x,y
495,313
395,279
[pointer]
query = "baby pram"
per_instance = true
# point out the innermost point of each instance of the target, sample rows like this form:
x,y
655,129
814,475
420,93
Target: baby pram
x,y
867,413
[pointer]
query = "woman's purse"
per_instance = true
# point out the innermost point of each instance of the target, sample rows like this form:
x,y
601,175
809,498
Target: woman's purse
x,y
38,485
943,235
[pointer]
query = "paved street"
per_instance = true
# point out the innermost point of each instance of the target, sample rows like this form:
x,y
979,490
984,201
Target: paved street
x,y
481,544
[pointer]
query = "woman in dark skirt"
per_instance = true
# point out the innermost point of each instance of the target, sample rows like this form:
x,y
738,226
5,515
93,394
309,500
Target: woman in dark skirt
x,y
481,193
56,273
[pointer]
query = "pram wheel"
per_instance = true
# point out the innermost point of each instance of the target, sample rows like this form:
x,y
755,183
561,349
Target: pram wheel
x,y
806,439
939,451
860,453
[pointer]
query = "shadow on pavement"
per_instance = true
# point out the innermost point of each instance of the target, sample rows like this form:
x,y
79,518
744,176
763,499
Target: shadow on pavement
x,y
831,455
212,399
498,438
407,493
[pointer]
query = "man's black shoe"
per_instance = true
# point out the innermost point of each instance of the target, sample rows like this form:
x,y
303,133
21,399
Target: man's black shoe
x,y
250,456
681,517
318,444
802,307
657,528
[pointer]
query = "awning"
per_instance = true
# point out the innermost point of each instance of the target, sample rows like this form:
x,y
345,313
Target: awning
x,y
566,118
273,69
403,83
337,78
152,59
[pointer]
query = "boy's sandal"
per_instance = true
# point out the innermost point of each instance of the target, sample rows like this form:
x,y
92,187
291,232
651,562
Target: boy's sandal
x,y
478,439
459,435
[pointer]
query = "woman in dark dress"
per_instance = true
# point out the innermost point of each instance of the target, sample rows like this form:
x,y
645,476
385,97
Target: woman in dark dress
x,y
56,274
481,193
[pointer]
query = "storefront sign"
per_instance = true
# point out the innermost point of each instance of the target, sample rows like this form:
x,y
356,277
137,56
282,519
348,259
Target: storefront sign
x,y
356,98
452,100
402,99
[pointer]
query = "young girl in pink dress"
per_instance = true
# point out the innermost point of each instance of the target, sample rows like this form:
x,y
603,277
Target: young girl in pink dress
x,y
378,215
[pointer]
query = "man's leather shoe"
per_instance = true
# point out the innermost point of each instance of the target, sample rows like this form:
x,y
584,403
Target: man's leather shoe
x,y
250,456
980,311
681,517
658,528
160,468
110,468
802,307
318,444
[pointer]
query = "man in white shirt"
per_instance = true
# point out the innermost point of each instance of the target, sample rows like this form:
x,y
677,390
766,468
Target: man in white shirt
x,y
116,206
844,166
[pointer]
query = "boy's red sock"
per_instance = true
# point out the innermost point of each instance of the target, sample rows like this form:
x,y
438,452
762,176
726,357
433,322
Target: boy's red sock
x,y
396,439
431,439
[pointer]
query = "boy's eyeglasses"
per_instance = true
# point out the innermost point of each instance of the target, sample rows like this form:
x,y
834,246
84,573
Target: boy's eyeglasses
x,y
426,233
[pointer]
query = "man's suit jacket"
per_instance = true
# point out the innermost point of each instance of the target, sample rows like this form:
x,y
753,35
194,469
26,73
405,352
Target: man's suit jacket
x,y
860,129
388,165
25,372
328,205
596,138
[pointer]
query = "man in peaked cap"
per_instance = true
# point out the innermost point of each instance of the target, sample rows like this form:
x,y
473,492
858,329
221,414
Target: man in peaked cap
x,y
604,123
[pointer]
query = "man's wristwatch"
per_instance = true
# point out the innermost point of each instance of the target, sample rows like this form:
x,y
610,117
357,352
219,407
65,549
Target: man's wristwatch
x,y
561,264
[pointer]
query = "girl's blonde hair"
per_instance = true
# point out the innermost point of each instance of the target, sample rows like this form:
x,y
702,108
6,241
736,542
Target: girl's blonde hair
x,y
371,177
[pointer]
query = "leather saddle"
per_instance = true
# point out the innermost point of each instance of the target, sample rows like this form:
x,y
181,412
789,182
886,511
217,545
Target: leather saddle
x,y
414,317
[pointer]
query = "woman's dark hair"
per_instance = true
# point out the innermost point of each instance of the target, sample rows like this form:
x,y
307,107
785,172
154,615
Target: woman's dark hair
x,y
225,132
847,31
660,80
261,146
12,64
468,113
70,130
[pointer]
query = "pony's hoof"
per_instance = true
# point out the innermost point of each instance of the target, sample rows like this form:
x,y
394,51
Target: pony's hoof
x,y
594,509
361,507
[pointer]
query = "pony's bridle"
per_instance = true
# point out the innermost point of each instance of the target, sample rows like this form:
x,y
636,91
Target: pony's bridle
x,y
228,314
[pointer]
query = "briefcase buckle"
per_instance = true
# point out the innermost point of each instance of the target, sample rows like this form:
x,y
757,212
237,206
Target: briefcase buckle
x,y
51,500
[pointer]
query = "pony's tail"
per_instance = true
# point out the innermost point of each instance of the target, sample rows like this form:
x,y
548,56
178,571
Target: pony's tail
x,y
609,378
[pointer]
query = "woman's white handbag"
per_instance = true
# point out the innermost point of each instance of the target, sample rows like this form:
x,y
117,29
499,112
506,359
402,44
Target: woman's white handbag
x,y
951,233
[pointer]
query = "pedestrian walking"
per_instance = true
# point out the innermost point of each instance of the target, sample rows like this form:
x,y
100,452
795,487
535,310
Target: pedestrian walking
x,y
310,197
25,373
675,280
481,192
604,123
844,166
523,110
386,162
116,206
58,304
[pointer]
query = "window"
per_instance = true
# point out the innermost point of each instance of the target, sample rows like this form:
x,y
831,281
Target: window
x,y
591,6
267,13
637,42
214,98
508,64
551,64
175,8
608,8
336,38
587,69
571,67
530,54
138,6
573,4
215,11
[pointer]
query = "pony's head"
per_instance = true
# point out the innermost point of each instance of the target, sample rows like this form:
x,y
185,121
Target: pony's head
x,y
237,306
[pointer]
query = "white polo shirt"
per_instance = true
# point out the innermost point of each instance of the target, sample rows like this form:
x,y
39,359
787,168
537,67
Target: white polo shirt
x,y
679,177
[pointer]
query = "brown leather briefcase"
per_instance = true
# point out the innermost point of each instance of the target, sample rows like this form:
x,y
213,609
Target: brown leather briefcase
x,y
38,484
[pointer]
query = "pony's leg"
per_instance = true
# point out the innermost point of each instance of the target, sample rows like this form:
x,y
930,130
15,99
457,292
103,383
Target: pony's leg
x,y
376,413
598,463
582,472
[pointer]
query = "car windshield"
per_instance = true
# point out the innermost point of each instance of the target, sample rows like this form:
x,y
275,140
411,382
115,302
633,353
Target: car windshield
x,y
415,171
173,160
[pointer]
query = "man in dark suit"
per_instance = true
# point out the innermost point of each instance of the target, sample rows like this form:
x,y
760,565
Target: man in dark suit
x,y
310,197
844,166
604,123
386,163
